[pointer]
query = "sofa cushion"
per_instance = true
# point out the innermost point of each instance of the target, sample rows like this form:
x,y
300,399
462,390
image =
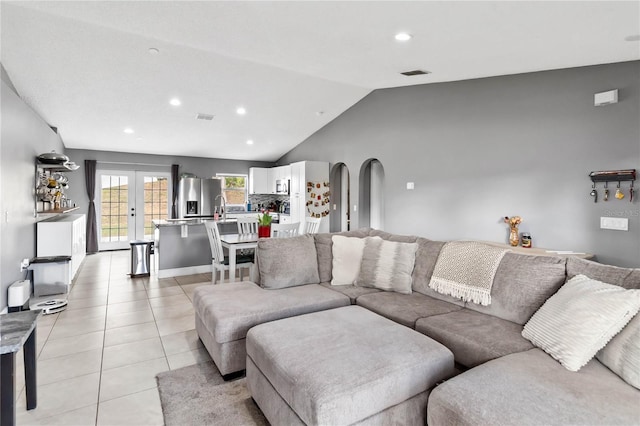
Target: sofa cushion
x,y
531,388
426,257
324,250
229,310
624,277
473,337
351,291
622,353
387,265
521,285
579,320
287,262
405,309
347,257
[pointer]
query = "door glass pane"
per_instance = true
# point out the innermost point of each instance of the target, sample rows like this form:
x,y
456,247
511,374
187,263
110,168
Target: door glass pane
x,y
155,202
115,196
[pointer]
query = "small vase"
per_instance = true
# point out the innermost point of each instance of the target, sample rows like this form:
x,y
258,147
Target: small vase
x,y
264,231
513,236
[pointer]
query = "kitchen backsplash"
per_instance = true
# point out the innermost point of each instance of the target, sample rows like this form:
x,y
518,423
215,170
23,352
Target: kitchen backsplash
x,y
267,199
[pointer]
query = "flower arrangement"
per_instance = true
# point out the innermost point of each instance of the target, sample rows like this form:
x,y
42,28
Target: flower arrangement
x,y
513,222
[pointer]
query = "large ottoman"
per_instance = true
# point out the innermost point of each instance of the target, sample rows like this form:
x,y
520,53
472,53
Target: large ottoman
x,y
343,366
225,312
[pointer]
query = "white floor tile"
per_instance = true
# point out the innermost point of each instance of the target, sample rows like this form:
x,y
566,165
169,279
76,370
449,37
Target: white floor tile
x,y
60,397
129,318
81,416
130,333
130,379
183,359
181,342
72,345
173,311
73,327
168,300
176,325
126,297
66,367
121,308
142,408
85,313
132,353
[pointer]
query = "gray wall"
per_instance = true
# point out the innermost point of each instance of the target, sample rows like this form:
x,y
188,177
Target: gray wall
x,y
202,167
479,150
23,137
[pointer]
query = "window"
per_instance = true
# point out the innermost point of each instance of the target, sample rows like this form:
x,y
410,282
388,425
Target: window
x,y
234,188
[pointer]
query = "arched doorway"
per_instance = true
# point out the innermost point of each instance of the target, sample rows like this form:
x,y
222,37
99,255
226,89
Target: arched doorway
x,y
372,194
341,199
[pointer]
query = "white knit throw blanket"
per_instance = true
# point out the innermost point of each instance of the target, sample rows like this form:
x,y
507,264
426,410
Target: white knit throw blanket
x,y
465,270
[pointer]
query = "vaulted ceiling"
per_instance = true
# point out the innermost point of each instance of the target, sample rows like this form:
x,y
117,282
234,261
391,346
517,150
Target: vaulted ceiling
x,y
95,68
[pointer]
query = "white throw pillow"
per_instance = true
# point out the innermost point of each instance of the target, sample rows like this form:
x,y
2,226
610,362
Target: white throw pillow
x,y
622,354
579,320
347,255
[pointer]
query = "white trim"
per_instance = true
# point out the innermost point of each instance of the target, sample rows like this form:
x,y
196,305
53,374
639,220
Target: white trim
x,y
189,270
5,310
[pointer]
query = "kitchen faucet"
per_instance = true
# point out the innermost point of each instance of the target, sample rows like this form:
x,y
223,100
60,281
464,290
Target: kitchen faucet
x,y
224,206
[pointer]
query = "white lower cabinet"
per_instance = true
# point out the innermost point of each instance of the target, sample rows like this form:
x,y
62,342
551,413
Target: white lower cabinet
x,y
63,235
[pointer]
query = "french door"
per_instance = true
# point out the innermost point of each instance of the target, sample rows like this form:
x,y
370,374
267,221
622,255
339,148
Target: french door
x,y
127,202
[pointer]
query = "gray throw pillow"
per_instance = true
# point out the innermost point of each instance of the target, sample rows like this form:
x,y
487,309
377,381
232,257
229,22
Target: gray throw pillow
x,y
287,262
387,265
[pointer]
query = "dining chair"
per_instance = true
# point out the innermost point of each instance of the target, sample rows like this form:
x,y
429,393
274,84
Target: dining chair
x,y
247,224
220,262
285,230
311,225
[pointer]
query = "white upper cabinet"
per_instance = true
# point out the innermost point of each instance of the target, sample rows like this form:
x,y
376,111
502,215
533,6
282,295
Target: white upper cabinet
x,y
259,181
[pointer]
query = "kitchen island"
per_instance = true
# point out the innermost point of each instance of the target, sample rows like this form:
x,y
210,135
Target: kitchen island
x,y
182,246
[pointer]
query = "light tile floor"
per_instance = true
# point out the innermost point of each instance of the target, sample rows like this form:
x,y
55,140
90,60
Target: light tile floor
x,y
98,359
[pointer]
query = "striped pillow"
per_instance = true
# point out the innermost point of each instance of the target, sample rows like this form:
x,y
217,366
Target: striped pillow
x,y
387,265
579,320
622,354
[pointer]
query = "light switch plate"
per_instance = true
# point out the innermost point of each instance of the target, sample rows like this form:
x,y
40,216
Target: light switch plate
x,y
410,185
614,223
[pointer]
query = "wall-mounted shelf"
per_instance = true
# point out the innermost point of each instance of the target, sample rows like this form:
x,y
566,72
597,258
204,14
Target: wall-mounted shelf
x,y
50,185
613,175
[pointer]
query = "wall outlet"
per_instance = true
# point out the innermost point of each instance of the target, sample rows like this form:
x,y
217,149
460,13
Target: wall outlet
x,y
410,185
24,264
614,223
355,207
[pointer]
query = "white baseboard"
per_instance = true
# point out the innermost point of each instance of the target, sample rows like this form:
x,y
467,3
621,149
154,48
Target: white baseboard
x,y
5,311
189,270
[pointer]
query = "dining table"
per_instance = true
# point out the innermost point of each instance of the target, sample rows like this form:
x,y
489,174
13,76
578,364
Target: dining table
x,y
235,242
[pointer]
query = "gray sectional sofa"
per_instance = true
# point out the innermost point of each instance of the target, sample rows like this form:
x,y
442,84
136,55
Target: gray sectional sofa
x,y
500,377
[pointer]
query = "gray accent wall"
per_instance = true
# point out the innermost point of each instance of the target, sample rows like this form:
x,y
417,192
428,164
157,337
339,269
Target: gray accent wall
x,y
24,135
479,150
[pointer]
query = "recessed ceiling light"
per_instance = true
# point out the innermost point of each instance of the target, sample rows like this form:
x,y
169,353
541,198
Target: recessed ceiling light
x,y
241,111
403,37
635,37
153,51
175,102
250,142
128,130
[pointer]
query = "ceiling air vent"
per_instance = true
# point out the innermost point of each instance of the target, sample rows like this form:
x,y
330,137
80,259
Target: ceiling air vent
x,y
415,72
201,116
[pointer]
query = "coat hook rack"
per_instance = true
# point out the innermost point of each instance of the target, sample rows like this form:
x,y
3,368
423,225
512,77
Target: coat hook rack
x,y
613,175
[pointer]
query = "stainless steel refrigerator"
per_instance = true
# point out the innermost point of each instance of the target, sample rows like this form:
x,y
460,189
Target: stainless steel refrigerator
x,y
199,197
